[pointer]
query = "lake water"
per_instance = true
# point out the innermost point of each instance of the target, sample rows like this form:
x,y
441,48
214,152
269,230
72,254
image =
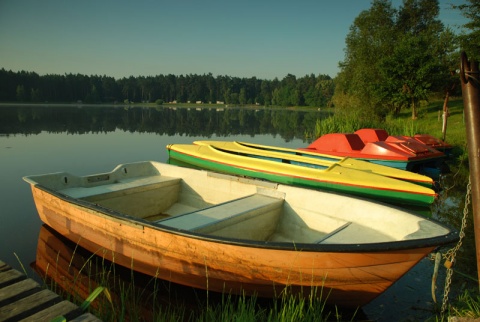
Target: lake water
x,y
86,140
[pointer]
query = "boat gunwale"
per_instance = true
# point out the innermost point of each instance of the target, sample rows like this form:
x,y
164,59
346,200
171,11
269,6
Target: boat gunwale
x,y
365,156
340,155
314,153
438,241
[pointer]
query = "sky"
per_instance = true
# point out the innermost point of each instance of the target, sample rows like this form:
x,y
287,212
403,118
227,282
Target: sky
x,y
266,39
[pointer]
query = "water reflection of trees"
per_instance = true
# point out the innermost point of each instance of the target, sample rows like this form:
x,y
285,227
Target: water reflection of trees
x,y
161,120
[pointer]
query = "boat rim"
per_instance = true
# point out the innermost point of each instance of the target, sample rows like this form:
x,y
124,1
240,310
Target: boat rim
x,y
437,241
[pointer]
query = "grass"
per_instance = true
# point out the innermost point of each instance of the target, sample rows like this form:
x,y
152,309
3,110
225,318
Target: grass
x,y
76,274
429,121
144,300
467,305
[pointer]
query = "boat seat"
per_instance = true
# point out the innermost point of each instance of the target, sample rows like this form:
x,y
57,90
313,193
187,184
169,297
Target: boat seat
x,y
225,214
338,142
121,187
330,234
372,135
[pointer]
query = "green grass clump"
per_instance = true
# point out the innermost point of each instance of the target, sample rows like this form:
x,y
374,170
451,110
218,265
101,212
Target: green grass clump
x,y
467,305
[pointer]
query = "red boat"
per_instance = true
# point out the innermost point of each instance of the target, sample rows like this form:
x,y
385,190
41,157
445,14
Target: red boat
x,y
375,135
375,145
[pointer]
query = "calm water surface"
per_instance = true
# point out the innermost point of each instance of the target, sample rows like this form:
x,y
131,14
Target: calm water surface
x,y
42,139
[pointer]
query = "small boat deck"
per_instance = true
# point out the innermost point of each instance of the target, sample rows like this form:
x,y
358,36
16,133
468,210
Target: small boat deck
x,y
22,298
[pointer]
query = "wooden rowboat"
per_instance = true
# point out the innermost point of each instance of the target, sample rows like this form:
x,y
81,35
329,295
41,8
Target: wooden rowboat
x,y
305,172
229,234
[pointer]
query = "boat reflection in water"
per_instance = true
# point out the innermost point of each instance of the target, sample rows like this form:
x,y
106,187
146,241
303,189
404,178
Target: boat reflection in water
x,y
74,272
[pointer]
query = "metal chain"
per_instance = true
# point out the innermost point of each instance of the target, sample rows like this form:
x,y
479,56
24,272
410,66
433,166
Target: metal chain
x,y
450,254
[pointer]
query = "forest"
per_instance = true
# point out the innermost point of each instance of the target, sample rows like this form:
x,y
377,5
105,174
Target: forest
x,y
25,86
395,58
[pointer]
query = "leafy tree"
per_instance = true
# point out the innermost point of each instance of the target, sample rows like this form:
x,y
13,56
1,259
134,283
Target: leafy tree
x,y
242,97
470,42
110,89
412,68
21,95
371,38
395,58
419,61
35,95
326,88
419,17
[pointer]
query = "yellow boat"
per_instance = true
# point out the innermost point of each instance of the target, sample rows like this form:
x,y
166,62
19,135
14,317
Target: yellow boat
x,y
291,169
321,160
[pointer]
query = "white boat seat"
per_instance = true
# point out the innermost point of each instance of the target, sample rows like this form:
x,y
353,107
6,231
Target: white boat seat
x,y
123,186
218,217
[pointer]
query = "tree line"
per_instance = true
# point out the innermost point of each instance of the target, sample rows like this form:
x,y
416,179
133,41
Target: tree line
x,y
397,57
26,86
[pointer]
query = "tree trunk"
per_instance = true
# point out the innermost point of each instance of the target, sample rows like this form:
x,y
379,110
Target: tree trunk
x,y
414,109
445,115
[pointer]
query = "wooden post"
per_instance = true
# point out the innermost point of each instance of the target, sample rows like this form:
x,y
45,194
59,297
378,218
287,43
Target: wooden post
x,y
469,75
445,116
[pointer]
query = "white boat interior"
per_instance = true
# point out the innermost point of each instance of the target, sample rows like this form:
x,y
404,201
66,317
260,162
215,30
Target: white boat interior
x,y
172,197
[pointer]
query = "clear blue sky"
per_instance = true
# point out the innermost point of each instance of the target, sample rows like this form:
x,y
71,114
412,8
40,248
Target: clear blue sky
x,y
243,38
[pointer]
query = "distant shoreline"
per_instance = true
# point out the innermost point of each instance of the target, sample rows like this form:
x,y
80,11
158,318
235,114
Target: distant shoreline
x,y
169,105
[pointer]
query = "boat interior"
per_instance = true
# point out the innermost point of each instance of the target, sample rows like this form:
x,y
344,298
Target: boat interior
x,y
169,201
282,157
224,206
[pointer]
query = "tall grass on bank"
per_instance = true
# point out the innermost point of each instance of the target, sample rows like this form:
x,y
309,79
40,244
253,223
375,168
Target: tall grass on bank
x,y
429,121
349,123
137,297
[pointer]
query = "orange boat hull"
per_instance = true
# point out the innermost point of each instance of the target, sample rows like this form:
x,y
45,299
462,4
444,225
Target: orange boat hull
x,y
347,279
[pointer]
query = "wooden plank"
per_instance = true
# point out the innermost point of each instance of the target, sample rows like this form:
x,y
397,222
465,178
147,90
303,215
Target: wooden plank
x,y
59,309
28,305
18,290
87,317
11,276
22,299
4,267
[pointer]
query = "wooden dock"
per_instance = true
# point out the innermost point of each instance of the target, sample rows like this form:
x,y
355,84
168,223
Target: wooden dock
x,y
22,298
